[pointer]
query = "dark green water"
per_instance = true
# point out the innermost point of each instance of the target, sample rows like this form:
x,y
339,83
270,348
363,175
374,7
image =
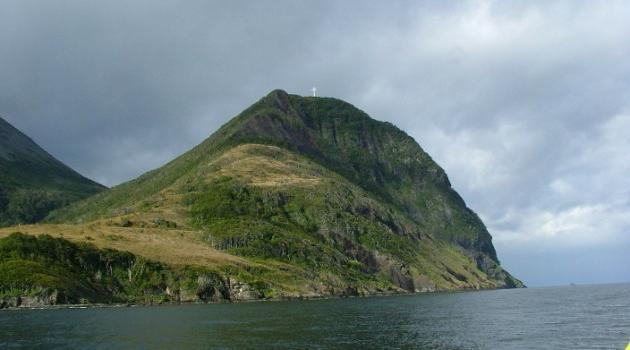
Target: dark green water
x,y
582,317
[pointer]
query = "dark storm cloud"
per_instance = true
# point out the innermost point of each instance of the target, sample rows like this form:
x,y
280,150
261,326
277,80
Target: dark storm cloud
x,y
523,103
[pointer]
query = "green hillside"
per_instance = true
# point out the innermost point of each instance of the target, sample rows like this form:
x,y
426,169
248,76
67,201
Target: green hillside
x,y
36,271
314,184
32,182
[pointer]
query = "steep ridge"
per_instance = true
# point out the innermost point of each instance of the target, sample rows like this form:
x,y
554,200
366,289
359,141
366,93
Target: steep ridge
x,y
378,157
314,197
32,182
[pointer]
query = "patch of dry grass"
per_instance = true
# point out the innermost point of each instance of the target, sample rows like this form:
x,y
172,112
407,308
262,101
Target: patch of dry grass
x,y
254,164
265,166
172,246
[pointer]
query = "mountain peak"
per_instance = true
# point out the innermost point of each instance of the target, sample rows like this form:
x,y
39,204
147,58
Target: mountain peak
x,y
279,99
296,196
277,93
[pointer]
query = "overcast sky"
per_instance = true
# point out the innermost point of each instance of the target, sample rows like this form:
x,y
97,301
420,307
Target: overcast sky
x,y
526,104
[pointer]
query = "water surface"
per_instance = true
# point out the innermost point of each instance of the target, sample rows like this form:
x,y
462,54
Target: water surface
x,y
579,317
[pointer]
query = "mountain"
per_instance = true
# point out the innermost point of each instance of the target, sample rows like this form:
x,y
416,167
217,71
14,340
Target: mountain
x,y
296,196
32,182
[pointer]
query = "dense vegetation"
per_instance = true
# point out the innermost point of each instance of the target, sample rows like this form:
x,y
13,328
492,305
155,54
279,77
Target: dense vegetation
x,y
54,270
316,219
30,205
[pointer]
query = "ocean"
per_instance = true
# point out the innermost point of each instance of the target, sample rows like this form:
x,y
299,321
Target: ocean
x,y
571,317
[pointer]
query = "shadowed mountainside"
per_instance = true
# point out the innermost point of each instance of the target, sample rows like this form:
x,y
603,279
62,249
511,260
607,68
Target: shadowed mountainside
x,y
32,182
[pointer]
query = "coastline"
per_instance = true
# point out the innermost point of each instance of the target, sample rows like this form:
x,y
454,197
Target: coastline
x,y
241,301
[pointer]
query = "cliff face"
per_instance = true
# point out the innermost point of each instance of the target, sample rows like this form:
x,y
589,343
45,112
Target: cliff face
x,y
315,198
32,182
